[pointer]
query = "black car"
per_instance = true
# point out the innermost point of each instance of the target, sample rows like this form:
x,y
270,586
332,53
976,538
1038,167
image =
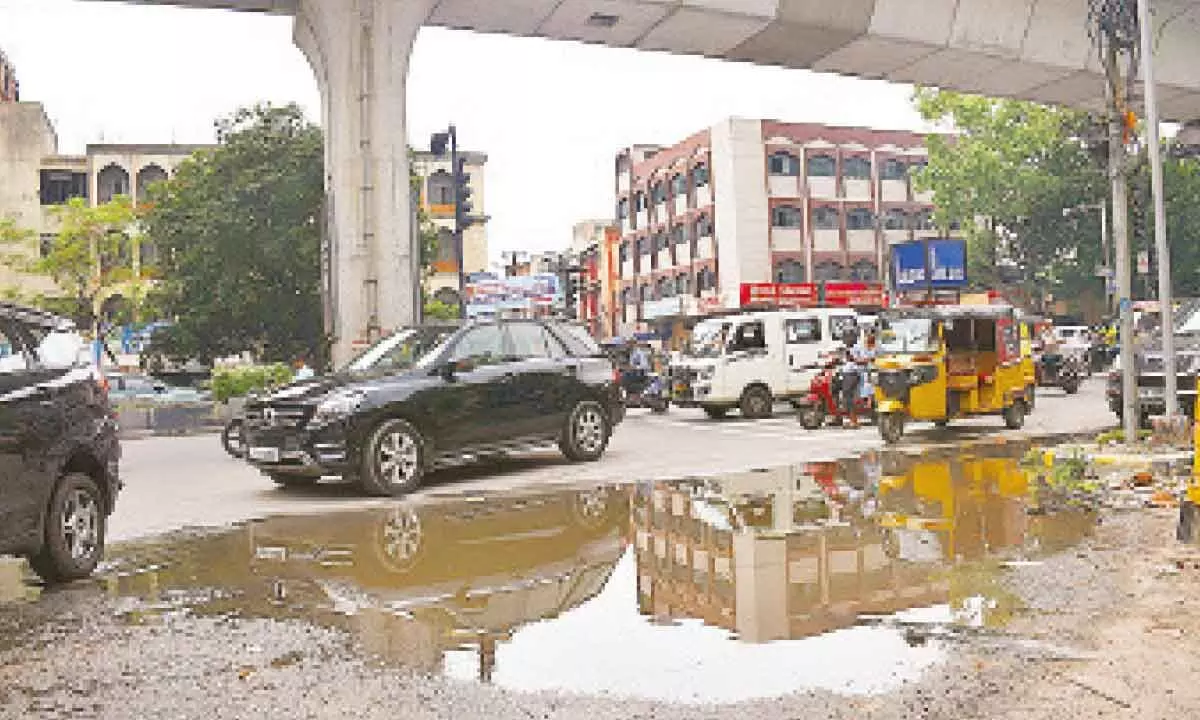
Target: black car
x,y
58,447
430,396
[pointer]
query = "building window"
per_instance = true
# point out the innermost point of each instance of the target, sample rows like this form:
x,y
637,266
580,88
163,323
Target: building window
x,y
146,178
46,243
917,167
706,280
893,169
441,188
59,186
113,180
825,218
856,168
789,271
643,246
783,163
681,284
822,166
639,201
664,288
860,219
445,246
704,226
623,208
895,220
786,216
660,242
624,251
659,193
864,271
700,176
827,271
644,292
679,235
679,185
922,220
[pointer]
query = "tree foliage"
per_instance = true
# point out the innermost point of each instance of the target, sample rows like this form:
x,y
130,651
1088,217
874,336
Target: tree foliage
x,y
238,228
94,255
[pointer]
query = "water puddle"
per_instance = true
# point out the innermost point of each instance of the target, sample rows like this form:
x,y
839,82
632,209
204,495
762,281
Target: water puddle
x,y
852,576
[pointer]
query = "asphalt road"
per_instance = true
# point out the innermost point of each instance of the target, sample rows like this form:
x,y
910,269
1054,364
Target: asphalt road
x,y
173,483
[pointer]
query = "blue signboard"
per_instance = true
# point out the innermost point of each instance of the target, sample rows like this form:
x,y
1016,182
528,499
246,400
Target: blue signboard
x,y
909,270
926,264
947,263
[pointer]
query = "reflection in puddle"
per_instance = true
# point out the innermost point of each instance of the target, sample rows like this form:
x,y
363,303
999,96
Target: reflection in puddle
x,y
849,576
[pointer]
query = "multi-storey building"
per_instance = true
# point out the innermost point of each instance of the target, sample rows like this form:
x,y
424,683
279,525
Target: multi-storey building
x,y
594,245
437,199
35,178
761,201
10,90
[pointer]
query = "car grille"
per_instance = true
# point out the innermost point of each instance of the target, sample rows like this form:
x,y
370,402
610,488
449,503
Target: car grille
x,y
282,416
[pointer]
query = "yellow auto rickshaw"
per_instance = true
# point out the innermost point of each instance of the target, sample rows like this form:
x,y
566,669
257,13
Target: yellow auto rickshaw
x,y
935,364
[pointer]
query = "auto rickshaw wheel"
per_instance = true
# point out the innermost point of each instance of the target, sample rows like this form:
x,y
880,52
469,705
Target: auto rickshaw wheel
x,y
1014,415
891,427
941,424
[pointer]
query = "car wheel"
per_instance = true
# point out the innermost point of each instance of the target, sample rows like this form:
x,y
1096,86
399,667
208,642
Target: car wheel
x,y
393,459
756,403
586,433
74,531
292,481
1014,415
714,412
233,439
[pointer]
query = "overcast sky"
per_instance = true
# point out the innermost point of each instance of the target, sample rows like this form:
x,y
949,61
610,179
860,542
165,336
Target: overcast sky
x,y
129,73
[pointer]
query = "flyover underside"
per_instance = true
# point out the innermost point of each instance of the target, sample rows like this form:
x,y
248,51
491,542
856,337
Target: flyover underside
x,y
1031,49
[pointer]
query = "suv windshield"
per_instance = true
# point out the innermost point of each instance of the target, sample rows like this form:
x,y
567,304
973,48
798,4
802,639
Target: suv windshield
x,y
400,351
709,339
907,335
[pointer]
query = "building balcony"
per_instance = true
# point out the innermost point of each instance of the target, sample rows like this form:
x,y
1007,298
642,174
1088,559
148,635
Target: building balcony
x,y
661,216
783,186
681,204
827,240
622,183
784,239
704,196
643,219
683,253
856,189
627,270
627,226
892,237
441,210
823,187
706,248
924,197
894,190
860,241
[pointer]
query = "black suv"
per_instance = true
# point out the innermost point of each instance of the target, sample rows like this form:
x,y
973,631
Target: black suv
x,y
430,396
58,446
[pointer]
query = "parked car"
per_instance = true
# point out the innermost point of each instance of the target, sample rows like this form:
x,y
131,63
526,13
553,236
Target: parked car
x,y
122,386
59,452
430,396
1151,382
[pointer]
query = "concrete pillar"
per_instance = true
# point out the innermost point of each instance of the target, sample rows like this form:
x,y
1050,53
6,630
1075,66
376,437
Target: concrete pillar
x,y
359,51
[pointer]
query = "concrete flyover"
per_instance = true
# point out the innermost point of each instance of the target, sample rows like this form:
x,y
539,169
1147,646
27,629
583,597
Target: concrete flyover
x,y
359,49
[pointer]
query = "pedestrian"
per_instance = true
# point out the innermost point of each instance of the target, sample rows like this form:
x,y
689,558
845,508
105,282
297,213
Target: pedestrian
x,y
303,371
851,372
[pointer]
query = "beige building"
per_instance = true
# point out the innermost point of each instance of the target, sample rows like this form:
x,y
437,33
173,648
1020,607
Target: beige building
x,y
437,199
35,178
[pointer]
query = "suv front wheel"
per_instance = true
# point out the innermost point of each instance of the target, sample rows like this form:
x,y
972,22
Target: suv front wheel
x,y
586,434
393,461
74,531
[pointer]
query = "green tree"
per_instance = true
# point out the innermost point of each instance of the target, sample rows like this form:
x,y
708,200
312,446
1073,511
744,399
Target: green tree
x,y
94,256
238,231
1006,176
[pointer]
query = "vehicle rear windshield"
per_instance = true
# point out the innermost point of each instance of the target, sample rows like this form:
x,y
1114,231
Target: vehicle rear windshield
x,y
579,343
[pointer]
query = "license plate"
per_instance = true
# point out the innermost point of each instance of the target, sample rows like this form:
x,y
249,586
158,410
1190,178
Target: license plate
x,y
264,454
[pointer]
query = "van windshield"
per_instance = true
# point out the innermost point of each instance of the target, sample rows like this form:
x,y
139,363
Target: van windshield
x,y
709,340
907,335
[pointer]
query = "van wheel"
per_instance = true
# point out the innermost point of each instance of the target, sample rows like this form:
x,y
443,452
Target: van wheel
x,y
891,427
812,417
586,433
756,403
393,460
74,531
1014,415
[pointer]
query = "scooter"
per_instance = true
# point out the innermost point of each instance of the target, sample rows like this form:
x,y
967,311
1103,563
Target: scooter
x,y
650,392
823,401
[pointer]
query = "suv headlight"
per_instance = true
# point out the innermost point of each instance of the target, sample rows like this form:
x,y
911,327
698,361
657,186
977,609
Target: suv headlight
x,y
339,405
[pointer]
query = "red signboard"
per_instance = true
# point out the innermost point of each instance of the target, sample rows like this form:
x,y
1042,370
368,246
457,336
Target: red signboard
x,y
807,295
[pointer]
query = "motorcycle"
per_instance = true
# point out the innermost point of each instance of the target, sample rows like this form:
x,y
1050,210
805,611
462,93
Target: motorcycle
x,y
1058,370
824,401
648,391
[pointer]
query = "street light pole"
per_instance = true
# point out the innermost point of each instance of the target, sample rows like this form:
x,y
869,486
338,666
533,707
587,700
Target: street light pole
x,y
1162,250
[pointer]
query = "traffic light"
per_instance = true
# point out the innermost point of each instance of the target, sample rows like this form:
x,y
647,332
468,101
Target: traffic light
x,y
462,196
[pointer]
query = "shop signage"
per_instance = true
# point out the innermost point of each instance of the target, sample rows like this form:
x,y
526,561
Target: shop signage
x,y
807,295
928,264
666,307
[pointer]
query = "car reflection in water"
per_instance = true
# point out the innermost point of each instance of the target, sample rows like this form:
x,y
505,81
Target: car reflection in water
x,y
409,581
844,576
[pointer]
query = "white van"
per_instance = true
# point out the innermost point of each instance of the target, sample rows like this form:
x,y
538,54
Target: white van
x,y
749,361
